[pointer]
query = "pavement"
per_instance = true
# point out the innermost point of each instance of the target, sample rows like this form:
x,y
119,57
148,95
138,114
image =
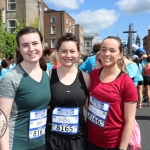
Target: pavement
x,y
143,119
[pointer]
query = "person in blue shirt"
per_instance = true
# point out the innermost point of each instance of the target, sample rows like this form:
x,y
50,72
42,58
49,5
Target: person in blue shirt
x,y
47,52
90,64
5,67
139,78
131,69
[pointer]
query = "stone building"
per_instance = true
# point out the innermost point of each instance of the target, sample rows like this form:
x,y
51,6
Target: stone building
x,y
89,40
146,41
22,10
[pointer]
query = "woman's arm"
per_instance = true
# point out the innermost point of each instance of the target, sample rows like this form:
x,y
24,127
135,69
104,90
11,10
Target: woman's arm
x,y
129,117
5,106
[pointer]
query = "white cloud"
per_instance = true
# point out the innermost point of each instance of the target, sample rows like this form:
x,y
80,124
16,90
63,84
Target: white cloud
x,y
93,21
131,7
70,4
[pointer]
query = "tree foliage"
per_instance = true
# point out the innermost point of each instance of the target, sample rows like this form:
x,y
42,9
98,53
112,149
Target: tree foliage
x,y
8,43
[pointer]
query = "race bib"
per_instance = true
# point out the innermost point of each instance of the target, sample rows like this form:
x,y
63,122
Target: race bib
x,y
37,124
98,111
65,120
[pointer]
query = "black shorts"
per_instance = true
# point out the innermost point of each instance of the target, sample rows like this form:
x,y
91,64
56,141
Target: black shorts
x,y
140,82
57,141
146,80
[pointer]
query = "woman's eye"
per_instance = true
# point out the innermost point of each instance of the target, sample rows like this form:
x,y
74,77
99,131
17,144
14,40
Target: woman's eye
x,y
112,51
103,50
35,43
25,45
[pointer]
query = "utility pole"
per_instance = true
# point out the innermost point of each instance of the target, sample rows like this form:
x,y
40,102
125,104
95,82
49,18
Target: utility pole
x,y
39,9
130,39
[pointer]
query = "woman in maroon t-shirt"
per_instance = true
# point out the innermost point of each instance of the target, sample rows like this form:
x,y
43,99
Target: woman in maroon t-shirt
x,y
112,103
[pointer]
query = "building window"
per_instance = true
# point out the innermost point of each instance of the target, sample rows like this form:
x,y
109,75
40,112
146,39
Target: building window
x,y
11,5
66,21
87,44
53,19
52,43
11,25
70,23
66,30
70,31
53,30
3,15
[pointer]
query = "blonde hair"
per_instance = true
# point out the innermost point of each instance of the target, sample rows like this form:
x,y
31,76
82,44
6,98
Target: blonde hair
x,y
54,59
121,65
97,55
79,62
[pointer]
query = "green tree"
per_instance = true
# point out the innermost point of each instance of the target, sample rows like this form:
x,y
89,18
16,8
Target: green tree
x,y
8,43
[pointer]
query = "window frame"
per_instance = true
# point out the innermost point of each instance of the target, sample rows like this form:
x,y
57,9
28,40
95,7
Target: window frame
x,y
53,31
52,43
10,3
67,30
53,19
66,21
8,27
87,44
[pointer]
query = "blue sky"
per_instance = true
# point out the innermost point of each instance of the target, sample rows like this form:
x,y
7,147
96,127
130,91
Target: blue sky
x,y
107,17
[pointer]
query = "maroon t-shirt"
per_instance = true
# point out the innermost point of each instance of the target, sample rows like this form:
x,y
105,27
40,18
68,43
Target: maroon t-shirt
x,y
108,131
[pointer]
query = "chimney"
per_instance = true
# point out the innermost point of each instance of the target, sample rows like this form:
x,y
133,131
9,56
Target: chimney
x,y
148,30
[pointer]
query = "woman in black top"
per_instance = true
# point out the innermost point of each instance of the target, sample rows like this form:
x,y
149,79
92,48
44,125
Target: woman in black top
x,y
66,127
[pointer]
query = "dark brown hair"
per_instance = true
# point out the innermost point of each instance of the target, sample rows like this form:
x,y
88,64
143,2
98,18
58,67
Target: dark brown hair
x,y
136,60
47,51
5,63
25,31
96,47
67,37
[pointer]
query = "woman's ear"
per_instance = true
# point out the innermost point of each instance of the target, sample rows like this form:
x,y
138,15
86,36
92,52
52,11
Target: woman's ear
x,y
42,45
18,49
120,55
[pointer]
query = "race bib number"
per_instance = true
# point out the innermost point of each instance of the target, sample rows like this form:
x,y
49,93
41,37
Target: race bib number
x,y
98,111
37,124
65,120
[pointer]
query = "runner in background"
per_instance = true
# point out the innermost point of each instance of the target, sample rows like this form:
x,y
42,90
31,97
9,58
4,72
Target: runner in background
x,y
66,127
139,79
47,52
113,98
90,64
25,94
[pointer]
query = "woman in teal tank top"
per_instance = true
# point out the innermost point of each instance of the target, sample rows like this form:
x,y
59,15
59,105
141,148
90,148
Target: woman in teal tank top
x,y
25,94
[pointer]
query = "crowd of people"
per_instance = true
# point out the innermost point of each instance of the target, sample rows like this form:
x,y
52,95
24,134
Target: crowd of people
x,y
56,100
